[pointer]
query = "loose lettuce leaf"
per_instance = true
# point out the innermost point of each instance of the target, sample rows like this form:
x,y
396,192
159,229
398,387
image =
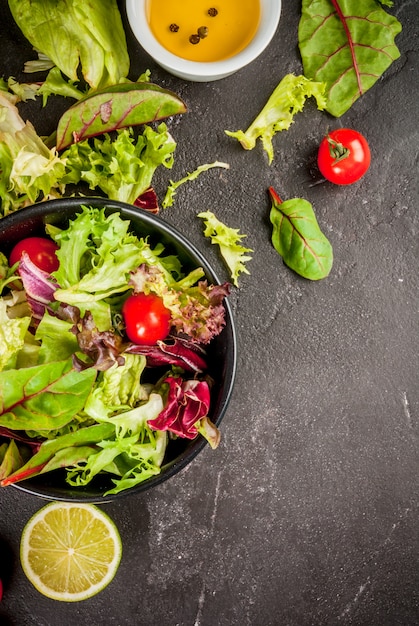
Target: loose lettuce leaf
x,y
298,239
347,45
118,106
278,113
75,33
56,84
29,170
121,166
171,190
233,253
12,335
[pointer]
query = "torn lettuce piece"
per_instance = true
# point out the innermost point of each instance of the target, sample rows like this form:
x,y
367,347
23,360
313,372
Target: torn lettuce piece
x,y
121,166
75,35
228,240
56,84
29,170
171,190
117,388
12,336
278,113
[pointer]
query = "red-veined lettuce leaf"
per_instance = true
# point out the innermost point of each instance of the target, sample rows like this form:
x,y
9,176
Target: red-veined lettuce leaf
x,y
43,397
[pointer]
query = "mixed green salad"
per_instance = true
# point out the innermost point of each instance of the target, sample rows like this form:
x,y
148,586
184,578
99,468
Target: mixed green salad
x,y
90,381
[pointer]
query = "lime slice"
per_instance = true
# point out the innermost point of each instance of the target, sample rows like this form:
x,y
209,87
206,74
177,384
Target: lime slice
x,y
70,551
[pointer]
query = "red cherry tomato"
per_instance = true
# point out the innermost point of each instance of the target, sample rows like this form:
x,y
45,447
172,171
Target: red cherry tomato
x,y
146,318
344,156
41,252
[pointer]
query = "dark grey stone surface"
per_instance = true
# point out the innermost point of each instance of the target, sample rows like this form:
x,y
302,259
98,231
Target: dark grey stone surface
x,y
307,514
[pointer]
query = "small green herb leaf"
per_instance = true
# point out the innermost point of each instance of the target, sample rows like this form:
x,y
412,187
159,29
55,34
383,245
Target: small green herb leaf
x,y
298,239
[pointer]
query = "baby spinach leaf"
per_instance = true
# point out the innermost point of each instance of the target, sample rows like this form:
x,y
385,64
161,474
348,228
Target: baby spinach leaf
x,y
43,397
348,45
117,106
298,239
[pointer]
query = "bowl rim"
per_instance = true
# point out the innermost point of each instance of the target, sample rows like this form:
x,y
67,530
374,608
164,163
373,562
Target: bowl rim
x,y
43,210
270,16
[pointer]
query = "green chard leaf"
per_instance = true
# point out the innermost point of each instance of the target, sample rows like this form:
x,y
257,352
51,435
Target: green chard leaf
x,y
233,253
118,106
43,397
61,451
287,99
298,239
348,45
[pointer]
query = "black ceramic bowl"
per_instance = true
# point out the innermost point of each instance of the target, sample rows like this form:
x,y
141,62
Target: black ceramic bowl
x,y
221,352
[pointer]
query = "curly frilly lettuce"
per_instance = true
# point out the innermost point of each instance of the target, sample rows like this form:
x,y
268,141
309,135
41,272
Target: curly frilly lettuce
x,y
228,239
278,113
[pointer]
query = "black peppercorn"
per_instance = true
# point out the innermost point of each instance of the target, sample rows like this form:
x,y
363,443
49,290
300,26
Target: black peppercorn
x,y
194,39
203,32
212,12
174,28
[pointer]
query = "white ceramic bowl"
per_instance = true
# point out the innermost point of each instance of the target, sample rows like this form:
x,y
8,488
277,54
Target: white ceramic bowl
x,y
203,71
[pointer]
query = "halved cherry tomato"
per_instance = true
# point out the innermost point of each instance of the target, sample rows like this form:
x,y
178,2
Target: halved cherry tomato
x,y
40,250
146,318
344,156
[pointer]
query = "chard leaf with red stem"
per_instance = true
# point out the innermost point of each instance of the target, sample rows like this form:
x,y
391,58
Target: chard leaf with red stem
x,y
348,45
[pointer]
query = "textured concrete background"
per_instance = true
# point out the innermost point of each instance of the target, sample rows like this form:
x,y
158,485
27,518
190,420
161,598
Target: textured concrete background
x,y
307,514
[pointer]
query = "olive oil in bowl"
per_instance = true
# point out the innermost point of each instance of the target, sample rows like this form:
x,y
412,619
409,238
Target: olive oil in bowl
x,y
202,31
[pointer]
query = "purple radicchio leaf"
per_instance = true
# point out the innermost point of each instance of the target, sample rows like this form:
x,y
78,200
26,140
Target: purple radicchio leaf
x,y
186,407
148,201
38,284
173,351
102,347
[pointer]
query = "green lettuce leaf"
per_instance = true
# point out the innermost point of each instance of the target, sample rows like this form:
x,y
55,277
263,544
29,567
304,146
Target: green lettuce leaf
x,y
122,167
233,253
172,188
97,254
29,170
278,113
12,335
58,343
75,33
347,45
